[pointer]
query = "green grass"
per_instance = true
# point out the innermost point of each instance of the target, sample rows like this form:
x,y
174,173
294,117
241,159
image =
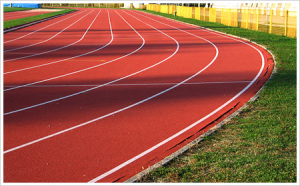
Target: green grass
x,y
259,145
13,9
17,22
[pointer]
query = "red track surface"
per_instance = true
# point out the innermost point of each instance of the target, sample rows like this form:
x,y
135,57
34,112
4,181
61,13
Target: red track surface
x,y
105,104
21,14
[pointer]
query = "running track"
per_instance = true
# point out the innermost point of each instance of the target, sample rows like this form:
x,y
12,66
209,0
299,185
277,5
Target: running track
x,y
100,95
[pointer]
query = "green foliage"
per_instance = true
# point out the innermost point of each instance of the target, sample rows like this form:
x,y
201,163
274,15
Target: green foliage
x,y
17,22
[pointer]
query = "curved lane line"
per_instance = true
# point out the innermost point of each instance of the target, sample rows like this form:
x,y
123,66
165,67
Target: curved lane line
x,y
138,84
112,113
71,95
190,25
43,40
49,51
45,64
43,28
187,128
65,59
180,132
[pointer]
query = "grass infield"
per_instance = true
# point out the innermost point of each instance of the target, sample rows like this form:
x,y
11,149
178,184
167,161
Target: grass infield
x,y
21,21
259,145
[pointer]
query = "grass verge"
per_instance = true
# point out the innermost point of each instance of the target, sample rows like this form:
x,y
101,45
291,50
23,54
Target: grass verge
x,y
260,144
13,9
21,21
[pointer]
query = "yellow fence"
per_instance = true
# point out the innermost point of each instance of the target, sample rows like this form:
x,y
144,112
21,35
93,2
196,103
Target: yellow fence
x,y
280,22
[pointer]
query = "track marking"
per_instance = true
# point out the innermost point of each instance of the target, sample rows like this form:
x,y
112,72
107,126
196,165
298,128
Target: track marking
x,y
53,62
193,26
186,129
182,131
43,40
112,113
67,59
43,28
136,84
168,25
33,106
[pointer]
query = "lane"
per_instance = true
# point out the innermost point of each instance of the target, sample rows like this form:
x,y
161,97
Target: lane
x,y
229,49
91,153
46,39
50,44
56,49
87,46
29,99
133,37
238,95
37,28
131,64
70,51
134,97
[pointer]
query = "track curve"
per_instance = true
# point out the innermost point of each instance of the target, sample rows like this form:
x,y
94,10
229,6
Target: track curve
x,y
176,83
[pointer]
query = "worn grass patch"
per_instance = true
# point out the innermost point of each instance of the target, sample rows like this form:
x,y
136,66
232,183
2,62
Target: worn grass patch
x,y
21,21
260,144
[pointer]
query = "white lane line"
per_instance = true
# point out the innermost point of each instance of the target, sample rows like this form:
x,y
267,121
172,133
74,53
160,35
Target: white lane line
x,y
189,25
187,128
137,84
37,54
56,77
168,25
71,95
80,12
107,115
43,40
45,64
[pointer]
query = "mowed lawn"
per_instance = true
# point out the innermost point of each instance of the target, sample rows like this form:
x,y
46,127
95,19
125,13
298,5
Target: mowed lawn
x,y
21,21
